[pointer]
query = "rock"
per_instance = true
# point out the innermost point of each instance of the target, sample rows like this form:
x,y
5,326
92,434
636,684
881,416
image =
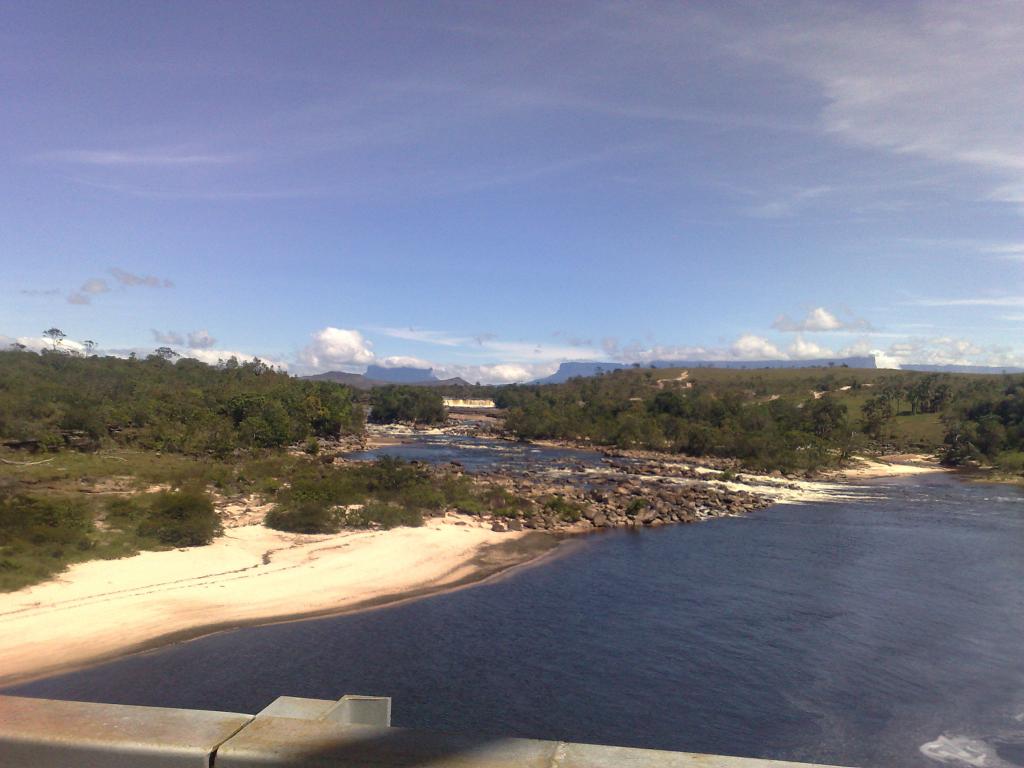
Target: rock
x,y
600,520
646,516
515,525
498,527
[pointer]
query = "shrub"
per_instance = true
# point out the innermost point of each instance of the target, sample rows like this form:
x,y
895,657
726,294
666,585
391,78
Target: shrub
x,y
636,505
183,518
385,515
52,525
568,511
123,512
1010,461
306,517
39,536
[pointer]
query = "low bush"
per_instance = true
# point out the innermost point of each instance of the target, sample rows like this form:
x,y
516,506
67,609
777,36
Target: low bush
x,y
563,509
383,515
306,517
39,536
184,518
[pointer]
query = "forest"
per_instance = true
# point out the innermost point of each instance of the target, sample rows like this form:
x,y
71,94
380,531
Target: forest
x,y
54,400
785,419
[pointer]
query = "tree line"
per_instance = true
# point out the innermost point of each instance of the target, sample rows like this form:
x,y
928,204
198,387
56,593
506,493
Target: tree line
x,y
51,400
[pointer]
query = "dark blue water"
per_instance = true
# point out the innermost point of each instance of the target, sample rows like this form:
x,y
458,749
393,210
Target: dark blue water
x,y
849,633
478,454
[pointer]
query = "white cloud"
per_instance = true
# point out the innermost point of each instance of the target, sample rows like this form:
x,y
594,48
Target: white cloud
x,y
751,347
94,286
498,373
802,349
78,298
403,361
337,348
40,343
818,320
947,350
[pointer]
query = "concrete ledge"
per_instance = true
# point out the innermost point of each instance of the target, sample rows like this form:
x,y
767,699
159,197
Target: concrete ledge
x,y
312,733
43,733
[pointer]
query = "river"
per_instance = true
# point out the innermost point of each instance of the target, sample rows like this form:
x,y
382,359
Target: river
x,y
880,630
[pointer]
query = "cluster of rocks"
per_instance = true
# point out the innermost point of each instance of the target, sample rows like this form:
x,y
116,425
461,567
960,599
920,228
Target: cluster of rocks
x,y
618,500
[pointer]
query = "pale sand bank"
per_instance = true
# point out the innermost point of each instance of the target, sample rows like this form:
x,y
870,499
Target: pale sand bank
x,y
104,608
895,465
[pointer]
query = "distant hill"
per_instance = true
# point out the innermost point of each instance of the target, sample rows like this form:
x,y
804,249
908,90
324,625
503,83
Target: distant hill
x,y
455,381
400,374
354,380
990,369
567,371
361,381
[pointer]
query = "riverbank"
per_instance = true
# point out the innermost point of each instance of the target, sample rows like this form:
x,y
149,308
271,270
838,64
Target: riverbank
x,y
252,574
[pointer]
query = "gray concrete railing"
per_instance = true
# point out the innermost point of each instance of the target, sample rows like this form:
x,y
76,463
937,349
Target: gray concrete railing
x,y
313,733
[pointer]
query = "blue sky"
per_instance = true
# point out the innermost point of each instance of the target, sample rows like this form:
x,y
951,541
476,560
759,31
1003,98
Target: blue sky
x,y
491,188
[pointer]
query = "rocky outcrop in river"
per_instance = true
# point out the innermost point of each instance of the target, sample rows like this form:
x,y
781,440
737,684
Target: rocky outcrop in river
x,y
567,500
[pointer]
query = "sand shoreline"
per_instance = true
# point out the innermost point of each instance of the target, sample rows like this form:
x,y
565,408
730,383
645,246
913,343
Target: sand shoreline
x,y
101,610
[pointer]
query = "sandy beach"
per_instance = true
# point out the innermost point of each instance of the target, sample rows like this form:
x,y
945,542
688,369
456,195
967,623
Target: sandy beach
x,y
251,574
895,465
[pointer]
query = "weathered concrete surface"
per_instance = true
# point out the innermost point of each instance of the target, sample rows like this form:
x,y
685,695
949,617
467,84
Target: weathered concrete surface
x,y
361,710
291,732
301,709
286,742
42,733
594,756
349,710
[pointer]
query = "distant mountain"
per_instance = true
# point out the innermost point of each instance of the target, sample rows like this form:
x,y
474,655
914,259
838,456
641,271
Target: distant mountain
x,y
400,375
567,371
455,381
960,368
354,380
867,361
361,381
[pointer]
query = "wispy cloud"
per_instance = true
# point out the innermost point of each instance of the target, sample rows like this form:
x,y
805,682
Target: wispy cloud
x,y
200,339
424,336
915,80
976,301
131,279
788,203
171,338
118,158
819,319
1014,251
